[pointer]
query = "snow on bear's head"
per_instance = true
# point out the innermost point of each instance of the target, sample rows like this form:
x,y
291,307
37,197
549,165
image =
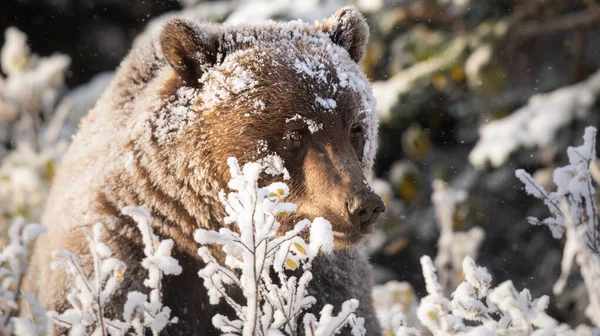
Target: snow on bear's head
x,y
292,97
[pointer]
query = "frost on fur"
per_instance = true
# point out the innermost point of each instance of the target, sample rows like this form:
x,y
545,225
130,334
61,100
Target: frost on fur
x,y
574,213
90,295
273,306
13,266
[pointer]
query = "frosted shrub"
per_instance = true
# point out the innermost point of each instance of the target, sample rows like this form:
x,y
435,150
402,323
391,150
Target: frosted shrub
x,y
140,310
453,246
502,310
31,88
396,306
574,213
90,296
31,119
273,306
13,266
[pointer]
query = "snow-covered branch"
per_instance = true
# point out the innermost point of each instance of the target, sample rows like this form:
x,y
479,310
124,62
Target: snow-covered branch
x,y
30,89
453,245
535,124
90,295
475,308
13,266
273,306
574,212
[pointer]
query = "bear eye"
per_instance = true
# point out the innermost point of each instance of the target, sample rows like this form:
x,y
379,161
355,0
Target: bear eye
x,y
356,132
296,139
357,139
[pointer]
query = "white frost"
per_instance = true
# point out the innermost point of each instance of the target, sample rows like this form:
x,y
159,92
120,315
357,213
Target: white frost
x,y
272,307
313,126
327,103
536,124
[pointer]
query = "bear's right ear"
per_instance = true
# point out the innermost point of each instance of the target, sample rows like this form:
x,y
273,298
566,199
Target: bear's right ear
x,y
189,50
348,28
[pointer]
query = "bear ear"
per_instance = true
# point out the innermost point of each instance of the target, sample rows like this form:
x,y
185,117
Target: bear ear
x,y
348,28
189,50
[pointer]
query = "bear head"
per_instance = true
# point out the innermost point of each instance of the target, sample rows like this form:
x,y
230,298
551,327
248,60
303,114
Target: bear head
x,y
290,96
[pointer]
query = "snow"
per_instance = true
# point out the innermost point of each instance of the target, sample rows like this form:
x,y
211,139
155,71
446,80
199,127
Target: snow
x,y
273,164
14,56
476,276
574,211
321,236
329,104
312,69
14,259
396,306
330,324
313,126
476,62
536,124
257,11
220,83
502,310
177,115
312,55
271,307
89,296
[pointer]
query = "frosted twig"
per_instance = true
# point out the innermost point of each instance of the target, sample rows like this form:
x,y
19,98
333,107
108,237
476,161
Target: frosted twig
x,y
271,306
13,267
575,213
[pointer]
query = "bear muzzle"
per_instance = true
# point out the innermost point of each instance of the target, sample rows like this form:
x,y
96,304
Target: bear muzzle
x,y
364,210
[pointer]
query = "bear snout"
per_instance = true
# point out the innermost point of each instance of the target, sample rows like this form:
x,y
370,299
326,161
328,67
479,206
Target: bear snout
x,y
364,210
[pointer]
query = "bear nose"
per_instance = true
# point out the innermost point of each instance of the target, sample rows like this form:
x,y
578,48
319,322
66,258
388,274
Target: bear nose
x,y
365,210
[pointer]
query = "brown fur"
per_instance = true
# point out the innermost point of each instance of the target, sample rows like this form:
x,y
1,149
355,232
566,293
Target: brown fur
x,y
160,135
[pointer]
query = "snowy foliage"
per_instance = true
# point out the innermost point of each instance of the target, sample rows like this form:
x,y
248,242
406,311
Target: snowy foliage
x,y
31,120
255,11
273,305
453,246
30,91
535,124
140,311
396,305
90,295
574,212
13,266
475,308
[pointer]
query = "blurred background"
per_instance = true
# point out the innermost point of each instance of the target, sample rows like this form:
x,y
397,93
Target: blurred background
x,y
468,91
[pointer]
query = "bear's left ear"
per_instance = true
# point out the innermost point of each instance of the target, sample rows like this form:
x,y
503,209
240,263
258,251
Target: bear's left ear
x,y
347,28
189,49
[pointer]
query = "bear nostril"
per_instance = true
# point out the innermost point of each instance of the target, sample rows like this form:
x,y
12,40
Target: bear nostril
x,y
365,211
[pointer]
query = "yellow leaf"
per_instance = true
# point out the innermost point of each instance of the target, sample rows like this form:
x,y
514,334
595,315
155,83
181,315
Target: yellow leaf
x,y
457,74
291,264
50,168
433,315
119,275
439,81
77,303
300,248
284,213
280,192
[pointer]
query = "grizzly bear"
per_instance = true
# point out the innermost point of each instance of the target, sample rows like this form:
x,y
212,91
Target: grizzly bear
x,y
288,95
